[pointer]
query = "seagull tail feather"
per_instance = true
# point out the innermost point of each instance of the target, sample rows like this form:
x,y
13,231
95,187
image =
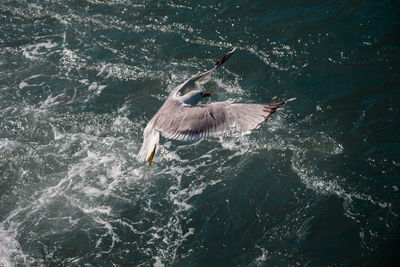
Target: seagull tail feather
x,y
149,145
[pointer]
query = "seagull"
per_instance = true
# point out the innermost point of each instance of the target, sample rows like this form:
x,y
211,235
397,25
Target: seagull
x,y
182,118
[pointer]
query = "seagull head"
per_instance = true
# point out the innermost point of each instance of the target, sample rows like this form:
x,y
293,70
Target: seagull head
x,y
192,98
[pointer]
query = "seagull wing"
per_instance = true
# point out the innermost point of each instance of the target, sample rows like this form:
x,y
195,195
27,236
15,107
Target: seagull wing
x,y
201,78
184,122
193,83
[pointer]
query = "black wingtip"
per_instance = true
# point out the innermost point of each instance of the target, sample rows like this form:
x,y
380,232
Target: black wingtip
x,y
225,58
272,107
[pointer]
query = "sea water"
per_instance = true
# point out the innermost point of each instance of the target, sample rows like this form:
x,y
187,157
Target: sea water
x,y
318,184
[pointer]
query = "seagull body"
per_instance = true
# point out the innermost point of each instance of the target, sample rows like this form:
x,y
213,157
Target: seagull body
x,y
181,118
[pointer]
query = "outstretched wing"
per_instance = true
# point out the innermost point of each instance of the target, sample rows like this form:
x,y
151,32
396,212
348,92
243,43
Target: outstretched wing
x,y
201,78
193,83
195,122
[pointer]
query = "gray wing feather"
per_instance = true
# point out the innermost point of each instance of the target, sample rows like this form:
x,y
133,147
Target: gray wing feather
x,y
183,122
201,78
193,83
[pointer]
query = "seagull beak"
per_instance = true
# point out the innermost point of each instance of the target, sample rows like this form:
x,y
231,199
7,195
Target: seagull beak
x,y
207,94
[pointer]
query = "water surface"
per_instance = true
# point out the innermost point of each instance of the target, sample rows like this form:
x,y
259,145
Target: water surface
x,y
318,184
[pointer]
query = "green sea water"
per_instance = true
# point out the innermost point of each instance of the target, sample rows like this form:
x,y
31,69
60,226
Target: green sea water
x,y
316,185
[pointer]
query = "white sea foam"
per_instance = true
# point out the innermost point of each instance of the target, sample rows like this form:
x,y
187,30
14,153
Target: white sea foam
x,y
158,262
92,191
325,184
50,101
99,209
74,182
109,232
94,86
24,84
281,50
260,260
57,135
71,61
122,71
35,51
6,246
7,144
230,90
10,249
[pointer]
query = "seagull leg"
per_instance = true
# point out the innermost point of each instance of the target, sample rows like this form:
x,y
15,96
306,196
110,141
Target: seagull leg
x,y
151,155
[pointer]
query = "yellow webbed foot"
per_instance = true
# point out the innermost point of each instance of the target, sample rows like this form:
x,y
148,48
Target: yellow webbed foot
x,y
151,156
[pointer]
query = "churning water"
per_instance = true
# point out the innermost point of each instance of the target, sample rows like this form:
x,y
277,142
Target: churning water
x,y
317,184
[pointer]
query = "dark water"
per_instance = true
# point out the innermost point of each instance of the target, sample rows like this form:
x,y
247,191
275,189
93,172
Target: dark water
x,y
316,185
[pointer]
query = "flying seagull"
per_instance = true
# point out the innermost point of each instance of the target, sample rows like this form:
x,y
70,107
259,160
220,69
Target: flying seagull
x,y
181,118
